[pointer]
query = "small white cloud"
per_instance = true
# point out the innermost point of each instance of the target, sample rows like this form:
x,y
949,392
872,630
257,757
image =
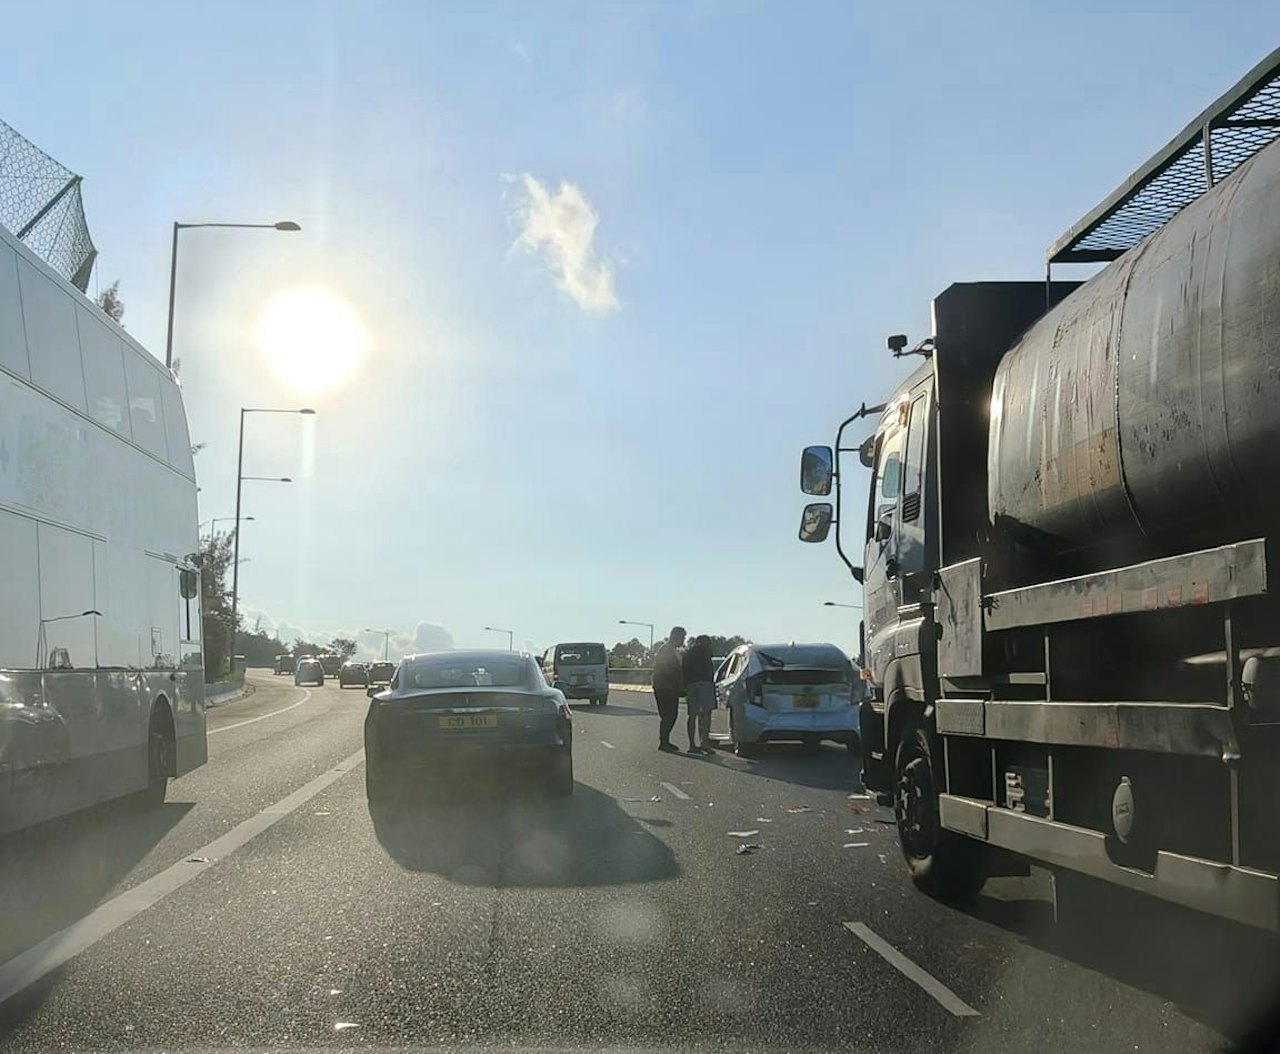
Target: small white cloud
x,y
629,106
560,228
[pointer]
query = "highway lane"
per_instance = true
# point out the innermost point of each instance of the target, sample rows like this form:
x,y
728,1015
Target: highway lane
x,y
490,914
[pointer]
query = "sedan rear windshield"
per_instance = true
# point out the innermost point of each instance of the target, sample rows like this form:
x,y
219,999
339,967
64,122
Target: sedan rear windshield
x,y
580,654
807,676
484,673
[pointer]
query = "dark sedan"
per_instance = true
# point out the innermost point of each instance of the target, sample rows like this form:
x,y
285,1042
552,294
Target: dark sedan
x,y
381,672
447,712
353,673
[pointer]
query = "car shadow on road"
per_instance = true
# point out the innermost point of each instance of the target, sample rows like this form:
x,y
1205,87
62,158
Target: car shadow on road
x,y
829,767
57,872
614,710
1226,977
512,836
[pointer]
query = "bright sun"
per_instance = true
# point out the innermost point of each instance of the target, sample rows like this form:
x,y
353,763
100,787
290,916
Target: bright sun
x,y
311,339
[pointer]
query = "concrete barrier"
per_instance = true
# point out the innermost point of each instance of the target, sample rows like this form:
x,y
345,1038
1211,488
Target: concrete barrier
x,y
636,675
224,691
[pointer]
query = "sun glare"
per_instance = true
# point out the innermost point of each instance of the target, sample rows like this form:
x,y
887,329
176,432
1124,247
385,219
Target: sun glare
x,y
311,339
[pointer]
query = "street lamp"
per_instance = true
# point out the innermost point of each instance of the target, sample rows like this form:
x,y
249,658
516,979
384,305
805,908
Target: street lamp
x,y
386,639
41,640
240,478
283,225
628,622
213,524
833,604
510,636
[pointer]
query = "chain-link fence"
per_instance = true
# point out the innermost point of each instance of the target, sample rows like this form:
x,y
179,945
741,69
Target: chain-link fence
x,y
40,203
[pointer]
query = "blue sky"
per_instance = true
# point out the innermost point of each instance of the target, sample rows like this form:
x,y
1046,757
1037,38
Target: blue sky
x,y
557,424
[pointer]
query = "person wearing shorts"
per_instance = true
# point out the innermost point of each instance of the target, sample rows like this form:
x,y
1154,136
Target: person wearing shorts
x,y
700,693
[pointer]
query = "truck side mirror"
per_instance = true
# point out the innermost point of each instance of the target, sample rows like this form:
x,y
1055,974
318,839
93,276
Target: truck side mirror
x,y
857,574
815,521
817,467
883,531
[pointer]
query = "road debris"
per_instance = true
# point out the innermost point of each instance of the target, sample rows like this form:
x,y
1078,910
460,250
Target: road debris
x,y
747,847
854,830
650,799
342,1026
793,809
763,819
743,834
199,860
856,845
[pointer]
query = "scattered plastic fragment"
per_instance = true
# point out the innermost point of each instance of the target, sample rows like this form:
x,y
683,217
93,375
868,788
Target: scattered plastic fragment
x,y
342,1026
854,830
763,819
856,845
747,847
793,809
743,834
860,809
335,991
653,798
883,859
329,937
198,860
857,796
323,813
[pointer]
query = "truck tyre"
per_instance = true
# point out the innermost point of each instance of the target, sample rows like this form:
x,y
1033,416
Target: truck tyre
x,y
160,748
941,863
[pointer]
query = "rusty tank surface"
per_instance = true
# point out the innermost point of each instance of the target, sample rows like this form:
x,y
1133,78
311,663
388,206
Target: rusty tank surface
x,y
1147,404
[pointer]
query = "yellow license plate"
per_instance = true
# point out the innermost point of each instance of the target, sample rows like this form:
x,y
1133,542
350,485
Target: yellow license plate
x,y
468,722
806,699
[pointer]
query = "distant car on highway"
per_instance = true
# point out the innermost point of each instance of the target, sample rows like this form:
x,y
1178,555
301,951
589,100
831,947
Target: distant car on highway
x,y
285,664
580,670
332,664
353,674
788,693
450,712
309,671
381,672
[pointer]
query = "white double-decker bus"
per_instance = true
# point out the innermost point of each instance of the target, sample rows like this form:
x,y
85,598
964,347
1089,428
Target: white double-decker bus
x,y
101,678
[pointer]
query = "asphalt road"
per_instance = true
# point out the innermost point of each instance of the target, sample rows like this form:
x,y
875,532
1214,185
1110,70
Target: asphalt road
x,y
263,907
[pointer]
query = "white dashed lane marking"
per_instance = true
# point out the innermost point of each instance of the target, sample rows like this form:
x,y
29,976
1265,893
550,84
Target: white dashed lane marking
x,y
609,746
675,791
939,991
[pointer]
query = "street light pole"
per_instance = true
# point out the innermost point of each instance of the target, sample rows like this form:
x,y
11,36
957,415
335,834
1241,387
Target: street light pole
x,y
629,622
510,636
240,478
283,225
386,639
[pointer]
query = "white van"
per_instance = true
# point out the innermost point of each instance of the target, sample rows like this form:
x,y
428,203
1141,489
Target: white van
x,y
581,671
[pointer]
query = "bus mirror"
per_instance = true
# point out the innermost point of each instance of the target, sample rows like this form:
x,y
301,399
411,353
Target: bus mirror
x,y
867,452
857,573
815,521
188,583
816,467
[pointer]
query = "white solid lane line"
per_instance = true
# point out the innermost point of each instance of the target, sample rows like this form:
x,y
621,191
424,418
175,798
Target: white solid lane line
x,y
306,694
45,957
940,992
676,791
610,746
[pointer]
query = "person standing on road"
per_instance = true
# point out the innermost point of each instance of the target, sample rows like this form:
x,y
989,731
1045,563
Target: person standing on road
x,y
668,684
700,693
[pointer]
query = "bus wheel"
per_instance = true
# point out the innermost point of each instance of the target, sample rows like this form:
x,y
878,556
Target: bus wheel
x,y
941,863
160,750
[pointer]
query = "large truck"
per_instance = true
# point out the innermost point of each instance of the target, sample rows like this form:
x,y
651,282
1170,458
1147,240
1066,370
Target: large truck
x,y
101,671
1069,630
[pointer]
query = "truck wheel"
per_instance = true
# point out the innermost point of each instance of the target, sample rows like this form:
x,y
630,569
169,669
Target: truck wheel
x,y
941,863
159,759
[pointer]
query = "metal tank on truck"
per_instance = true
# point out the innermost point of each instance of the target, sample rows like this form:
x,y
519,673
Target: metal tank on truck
x,y
1144,406
1070,633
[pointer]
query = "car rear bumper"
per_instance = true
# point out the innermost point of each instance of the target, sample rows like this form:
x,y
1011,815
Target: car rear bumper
x,y
756,725
585,691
